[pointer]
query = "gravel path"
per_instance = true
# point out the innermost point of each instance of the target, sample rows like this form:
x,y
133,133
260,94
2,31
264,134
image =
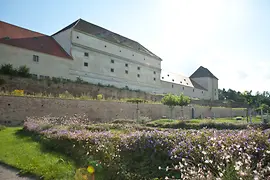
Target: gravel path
x,y
8,173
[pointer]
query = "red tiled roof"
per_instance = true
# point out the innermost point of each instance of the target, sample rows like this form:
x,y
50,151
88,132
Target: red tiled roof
x,y
24,38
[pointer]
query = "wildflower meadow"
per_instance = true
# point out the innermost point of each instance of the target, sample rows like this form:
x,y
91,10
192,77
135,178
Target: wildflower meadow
x,y
133,151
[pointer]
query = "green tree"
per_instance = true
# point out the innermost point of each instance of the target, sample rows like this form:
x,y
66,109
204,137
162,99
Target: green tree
x,y
250,100
174,100
137,101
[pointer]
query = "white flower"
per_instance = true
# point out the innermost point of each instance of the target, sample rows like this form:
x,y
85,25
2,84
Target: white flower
x,y
204,152
166,178
267,152
206,161
159,167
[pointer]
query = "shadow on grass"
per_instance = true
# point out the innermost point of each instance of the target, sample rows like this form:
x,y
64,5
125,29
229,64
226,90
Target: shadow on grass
x,y
66,148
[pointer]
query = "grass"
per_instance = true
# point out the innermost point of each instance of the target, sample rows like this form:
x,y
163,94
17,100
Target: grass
x,y
24,153
219,123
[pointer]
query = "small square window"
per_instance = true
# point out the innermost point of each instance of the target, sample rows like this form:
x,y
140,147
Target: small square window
x,y
162,77
35,58
112,70
183,88
187,83
138,75
77,37
126,71
215,93
154,79
184,79
168,75
173,80
112,61
85,64
86,54
154,72
105,46
181,82
120,51
202,92
193,90
172,85
126,65
139,68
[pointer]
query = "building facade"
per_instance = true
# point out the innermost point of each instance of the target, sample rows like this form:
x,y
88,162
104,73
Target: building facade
x,y
98,55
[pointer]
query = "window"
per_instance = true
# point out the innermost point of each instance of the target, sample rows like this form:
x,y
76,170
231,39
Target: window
x,y
139,68
154,72
162,77
172,79
112,61
105,46
154,79
215,93
143,58
126,65
77,37
184,79
202,92
132,54
193,90
35,58
181,82
168,75
126,71
112,70
120,51
138,75
6,38
172,85
86,54
183,88
187,83
85,64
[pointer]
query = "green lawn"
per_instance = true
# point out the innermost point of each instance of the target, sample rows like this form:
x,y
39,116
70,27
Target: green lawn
x,y
26,154
217,120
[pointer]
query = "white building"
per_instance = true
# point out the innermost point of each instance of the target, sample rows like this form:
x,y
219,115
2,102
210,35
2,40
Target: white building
x,y
98,55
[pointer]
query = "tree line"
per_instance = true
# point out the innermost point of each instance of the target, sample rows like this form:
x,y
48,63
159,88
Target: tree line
x,y
258,101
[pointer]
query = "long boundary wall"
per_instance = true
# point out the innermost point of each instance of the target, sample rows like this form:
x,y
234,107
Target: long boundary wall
x,y
15,109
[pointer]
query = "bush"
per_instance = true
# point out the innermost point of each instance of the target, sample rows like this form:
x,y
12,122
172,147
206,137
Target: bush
x,y
99,97
148,154
2,127
2,81
8,69
23,71
18,92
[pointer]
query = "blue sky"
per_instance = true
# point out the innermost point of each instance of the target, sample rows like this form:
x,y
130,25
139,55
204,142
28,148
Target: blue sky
x,y
231,38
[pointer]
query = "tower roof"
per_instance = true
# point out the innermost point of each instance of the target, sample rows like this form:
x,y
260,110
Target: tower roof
x,y
202,72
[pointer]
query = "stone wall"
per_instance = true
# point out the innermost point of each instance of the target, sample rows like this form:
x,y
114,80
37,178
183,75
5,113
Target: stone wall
x,y
13,110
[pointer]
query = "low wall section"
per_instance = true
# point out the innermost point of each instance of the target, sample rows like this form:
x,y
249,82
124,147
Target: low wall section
x,y
14,109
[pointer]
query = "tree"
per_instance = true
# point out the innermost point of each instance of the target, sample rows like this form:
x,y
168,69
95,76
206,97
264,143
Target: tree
x,y
137,101
174,100
251,102
183,101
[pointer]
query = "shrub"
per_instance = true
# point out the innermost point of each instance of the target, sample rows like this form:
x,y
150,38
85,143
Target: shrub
x,y
99,97
66,95
18,92
23,71
2,81
8,69
2,127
